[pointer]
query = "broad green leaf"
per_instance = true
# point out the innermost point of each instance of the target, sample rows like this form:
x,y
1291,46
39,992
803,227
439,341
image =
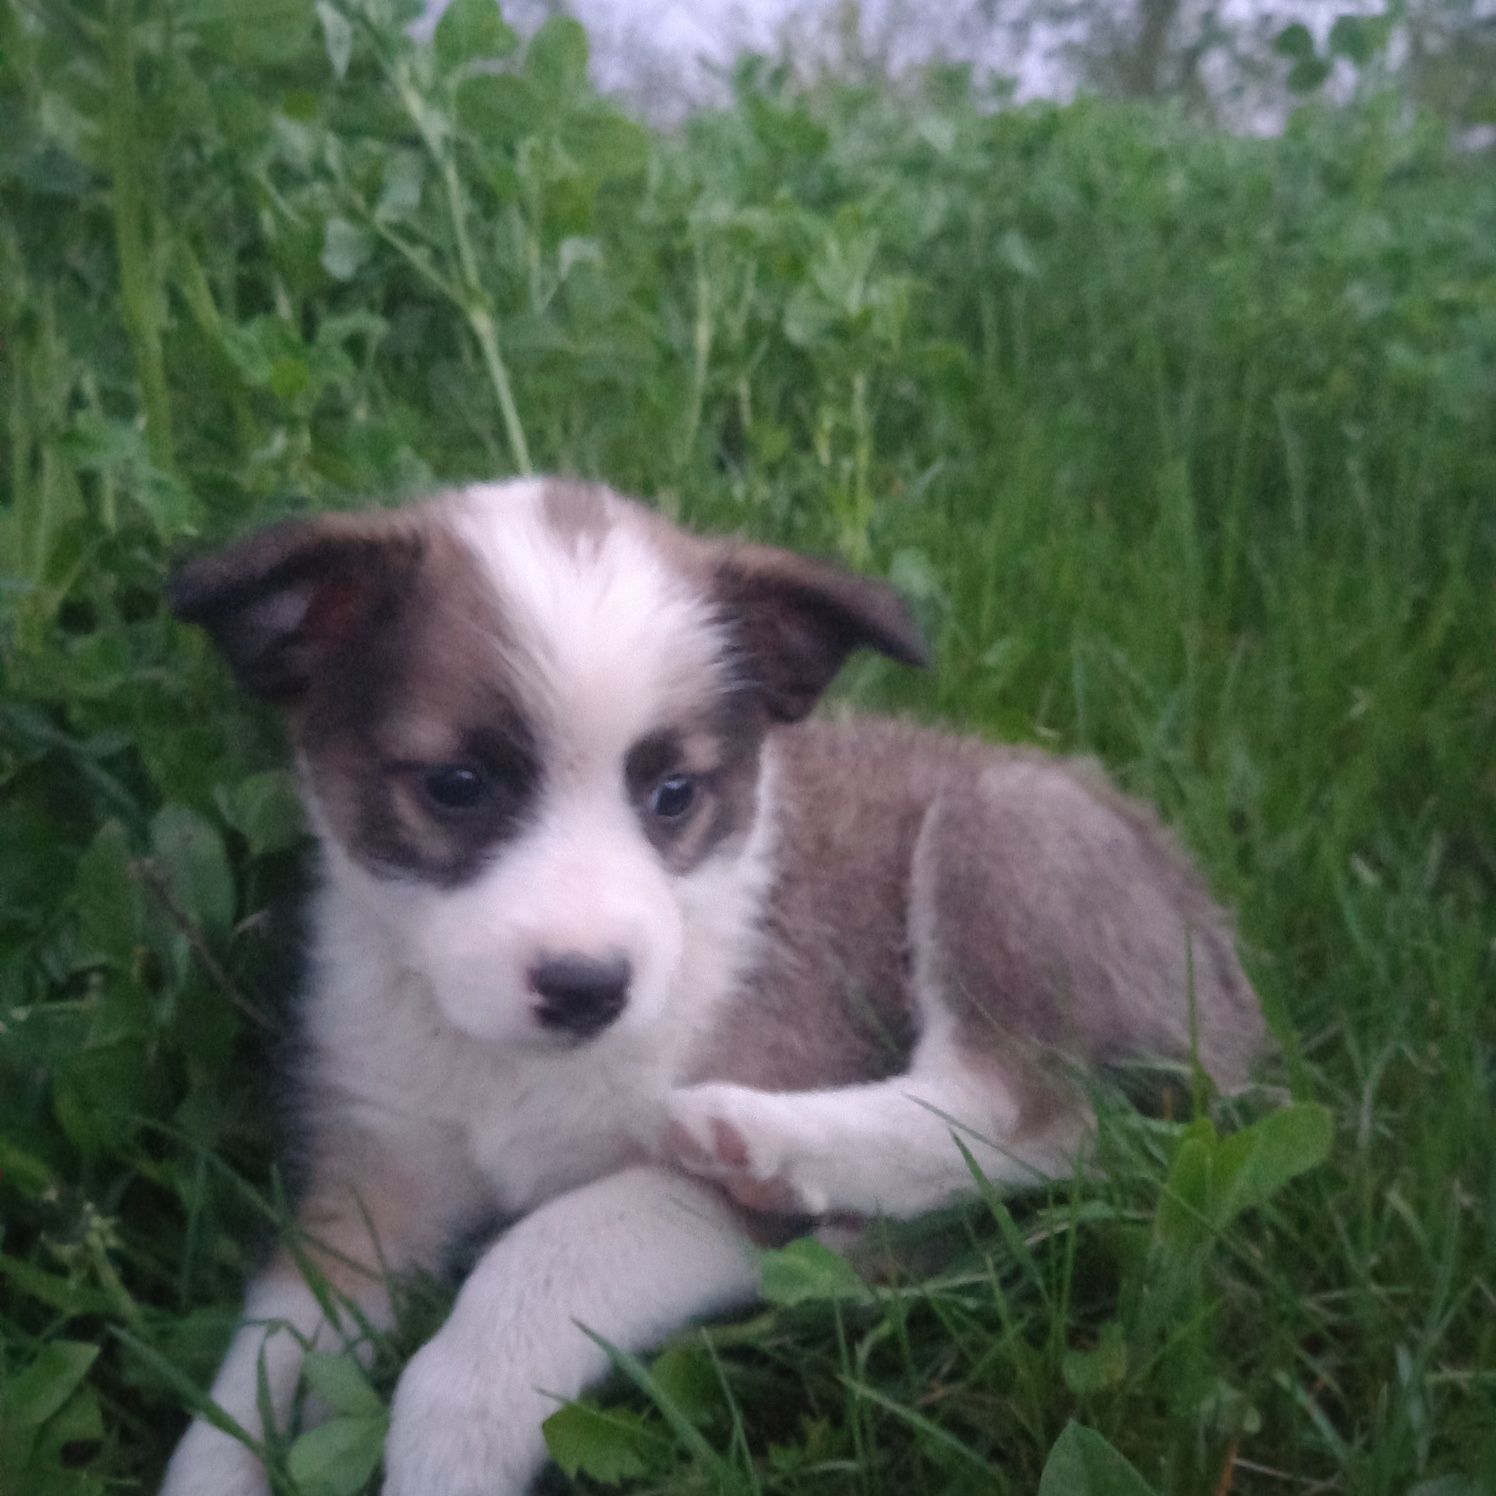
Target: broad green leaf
x,y
336,1458
345,249
80,1420
60,1292
557,59
245,347
39,1391
499,107
1255,1163
22,1171
191,855
170,506
607,1444
1228,1410
686,1376
264,809
577,251
1017,254
471,31
607,145
919,582
404,174
1354,38
1295,41
1095,1370
340,1382
108,896
1308,73
267,32
807,316
807,1271
337,37
1184,1208
1082,1463
289,378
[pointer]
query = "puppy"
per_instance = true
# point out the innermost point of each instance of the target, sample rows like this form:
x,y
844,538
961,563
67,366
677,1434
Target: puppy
x,y
613,943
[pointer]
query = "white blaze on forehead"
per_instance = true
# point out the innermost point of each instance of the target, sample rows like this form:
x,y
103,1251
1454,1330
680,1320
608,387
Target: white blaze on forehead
x,y
606,641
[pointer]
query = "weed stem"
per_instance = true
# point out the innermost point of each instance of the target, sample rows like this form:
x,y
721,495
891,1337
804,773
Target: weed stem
x,y
142,306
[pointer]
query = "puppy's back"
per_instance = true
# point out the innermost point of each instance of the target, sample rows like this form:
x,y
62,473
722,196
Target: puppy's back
x,y
1015,900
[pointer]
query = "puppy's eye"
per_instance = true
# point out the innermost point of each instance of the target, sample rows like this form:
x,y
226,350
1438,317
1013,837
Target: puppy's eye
x,y
452,787
672,797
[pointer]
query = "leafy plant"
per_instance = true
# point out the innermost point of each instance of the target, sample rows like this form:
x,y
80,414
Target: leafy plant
x,y
1180,444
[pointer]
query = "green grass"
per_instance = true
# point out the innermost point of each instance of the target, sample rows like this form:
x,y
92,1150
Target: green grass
x,y
1184,447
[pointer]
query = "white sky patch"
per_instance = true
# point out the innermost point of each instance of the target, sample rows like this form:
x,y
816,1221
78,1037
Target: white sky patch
x,y
662,57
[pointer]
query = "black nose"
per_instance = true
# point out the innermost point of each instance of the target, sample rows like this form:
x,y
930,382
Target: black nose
x,y
582,994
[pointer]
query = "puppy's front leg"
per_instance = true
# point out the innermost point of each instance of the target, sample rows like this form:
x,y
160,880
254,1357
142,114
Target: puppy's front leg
x,y
884,1148
632,1257
373,1203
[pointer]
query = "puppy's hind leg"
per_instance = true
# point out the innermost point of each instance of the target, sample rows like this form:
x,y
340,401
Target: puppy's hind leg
x,y
1048,917
992,961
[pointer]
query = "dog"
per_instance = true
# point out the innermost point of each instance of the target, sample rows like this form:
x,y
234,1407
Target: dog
x,y
614,943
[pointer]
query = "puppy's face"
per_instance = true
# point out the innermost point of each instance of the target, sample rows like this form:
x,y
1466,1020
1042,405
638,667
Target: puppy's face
x,y
530,719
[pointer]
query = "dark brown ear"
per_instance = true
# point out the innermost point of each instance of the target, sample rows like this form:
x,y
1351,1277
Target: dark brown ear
x,y
279,603
799,619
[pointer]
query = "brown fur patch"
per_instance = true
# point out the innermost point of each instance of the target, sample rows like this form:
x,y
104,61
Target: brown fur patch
x,y
830,1003
580,513
1063,922
427,686
367,1209
385,641
1053,918
279,603
792,620
796,620
720,752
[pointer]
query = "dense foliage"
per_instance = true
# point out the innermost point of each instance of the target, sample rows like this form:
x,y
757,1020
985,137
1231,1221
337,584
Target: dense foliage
x,y
1183,445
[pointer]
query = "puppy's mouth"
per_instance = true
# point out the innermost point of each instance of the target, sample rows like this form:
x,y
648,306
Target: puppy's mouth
x,y
573,1028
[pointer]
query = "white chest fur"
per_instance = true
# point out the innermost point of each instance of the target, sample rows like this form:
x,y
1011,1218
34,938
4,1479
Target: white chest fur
x,y
557,1121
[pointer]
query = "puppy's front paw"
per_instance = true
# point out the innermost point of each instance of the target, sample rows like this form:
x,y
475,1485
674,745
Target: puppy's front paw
x,y
452,1434
739,1137
210,1463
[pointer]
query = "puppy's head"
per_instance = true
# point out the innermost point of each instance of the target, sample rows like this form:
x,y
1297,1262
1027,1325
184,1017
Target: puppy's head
x,y
530,720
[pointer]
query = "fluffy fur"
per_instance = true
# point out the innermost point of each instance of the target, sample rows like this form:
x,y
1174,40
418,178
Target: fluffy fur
x,y
611,943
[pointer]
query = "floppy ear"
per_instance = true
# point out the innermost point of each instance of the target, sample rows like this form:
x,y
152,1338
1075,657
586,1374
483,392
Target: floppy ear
x,y
279,603
797,620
